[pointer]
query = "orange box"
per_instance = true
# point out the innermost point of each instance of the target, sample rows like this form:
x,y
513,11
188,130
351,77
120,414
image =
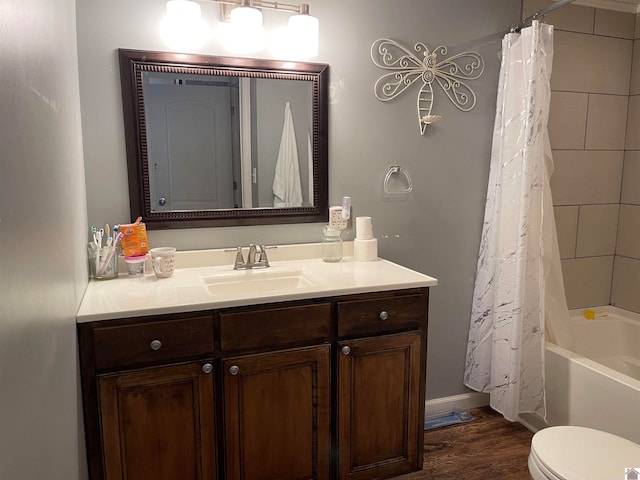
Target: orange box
x,y
134,242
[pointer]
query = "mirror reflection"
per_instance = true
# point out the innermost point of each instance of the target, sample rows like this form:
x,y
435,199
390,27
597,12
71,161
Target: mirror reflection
x,y
214,140
227,142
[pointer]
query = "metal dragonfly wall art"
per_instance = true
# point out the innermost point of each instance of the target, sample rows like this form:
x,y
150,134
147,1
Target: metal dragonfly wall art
x,y
407,67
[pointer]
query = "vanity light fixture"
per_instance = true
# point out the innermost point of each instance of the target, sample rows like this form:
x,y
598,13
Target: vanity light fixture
x,y
244,32
304,31
182,27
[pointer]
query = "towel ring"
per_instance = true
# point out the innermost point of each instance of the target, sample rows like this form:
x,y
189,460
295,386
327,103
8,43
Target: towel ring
x,y
393,170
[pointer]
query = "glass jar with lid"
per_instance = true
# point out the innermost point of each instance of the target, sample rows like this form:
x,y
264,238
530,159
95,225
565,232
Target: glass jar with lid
x,y
331,244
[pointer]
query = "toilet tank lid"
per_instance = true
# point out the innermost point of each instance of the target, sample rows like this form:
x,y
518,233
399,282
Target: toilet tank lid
x,y
579,452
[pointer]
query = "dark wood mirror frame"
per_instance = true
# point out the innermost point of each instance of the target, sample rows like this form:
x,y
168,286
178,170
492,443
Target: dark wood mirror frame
x,y
134,62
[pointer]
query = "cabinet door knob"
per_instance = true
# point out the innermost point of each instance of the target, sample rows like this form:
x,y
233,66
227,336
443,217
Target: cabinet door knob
x,y
384,315
234,370
155,345
207,368
346,350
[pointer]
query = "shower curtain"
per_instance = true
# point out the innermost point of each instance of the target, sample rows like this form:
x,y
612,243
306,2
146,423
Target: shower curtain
x,y
518,276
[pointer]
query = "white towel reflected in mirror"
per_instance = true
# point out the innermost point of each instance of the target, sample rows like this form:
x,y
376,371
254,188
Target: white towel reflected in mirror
x,y
287,191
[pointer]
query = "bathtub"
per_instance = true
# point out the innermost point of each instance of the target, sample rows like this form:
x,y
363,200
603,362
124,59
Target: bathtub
x,y
597,385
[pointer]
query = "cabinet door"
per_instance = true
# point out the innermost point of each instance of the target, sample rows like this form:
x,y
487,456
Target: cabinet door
x,y
158,423
277,415
379,411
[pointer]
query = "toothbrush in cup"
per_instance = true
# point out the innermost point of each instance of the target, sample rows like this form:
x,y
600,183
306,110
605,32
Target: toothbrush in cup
x,y
111,250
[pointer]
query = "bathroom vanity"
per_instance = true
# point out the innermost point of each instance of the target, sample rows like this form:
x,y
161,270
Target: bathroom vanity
x,y
198,377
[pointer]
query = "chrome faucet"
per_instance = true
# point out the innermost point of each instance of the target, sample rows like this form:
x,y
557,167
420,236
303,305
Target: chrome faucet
x,y
256,258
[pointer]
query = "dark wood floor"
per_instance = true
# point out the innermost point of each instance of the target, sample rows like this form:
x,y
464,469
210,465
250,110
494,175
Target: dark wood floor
x,y
488,448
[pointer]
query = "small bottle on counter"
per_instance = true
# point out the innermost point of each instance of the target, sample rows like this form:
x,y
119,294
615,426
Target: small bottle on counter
x,y
331,244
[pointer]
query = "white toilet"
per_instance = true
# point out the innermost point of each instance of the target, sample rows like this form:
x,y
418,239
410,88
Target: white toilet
x,y
578,453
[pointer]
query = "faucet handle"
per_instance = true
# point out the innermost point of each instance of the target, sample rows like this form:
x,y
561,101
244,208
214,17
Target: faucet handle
x,y
239,258
261,250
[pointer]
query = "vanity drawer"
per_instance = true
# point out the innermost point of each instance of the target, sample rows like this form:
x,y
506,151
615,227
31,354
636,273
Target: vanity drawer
x,y
378,315
274,327
158,341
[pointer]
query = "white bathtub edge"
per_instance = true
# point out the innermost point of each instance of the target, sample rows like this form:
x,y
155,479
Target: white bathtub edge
x,y
594,366
585,393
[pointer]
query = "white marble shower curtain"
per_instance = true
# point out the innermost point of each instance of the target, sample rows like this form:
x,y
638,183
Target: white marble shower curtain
x,y
505,353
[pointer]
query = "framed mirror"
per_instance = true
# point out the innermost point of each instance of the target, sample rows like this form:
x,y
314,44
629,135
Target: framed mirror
x,y
222,141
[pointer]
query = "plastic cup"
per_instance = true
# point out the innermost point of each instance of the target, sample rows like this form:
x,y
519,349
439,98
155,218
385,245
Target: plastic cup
x,y
136,266
103,266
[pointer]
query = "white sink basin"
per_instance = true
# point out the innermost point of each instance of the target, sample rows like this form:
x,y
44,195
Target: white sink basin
x,y
256,282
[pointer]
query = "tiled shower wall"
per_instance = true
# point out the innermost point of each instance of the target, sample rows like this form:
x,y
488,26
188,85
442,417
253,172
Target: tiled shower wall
x,y
626,271
590,83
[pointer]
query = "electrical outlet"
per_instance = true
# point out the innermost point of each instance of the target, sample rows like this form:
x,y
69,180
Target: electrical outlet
x,y
335,219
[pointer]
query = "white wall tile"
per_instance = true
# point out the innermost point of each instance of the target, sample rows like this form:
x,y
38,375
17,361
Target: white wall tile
x,y
631,178
633,124
587,281
626,284
591,63
586,176
597,230
568,120
567,228
614,24
572,18
606,122
629,231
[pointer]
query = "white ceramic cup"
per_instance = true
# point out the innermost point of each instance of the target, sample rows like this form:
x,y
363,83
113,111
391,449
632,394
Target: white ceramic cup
x,y
162,259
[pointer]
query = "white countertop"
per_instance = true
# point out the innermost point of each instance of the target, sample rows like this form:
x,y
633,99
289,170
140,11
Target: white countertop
x,y
185,291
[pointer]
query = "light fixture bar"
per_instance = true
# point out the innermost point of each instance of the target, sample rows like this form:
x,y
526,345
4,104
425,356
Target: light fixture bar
x,y
302,8
242,30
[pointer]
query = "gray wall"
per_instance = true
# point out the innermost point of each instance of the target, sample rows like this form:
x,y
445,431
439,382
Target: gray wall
x,y
42,235
435,231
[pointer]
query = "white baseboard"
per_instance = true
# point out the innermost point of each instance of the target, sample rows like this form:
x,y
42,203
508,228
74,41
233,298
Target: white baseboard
x,y
532,422
444,405
464,401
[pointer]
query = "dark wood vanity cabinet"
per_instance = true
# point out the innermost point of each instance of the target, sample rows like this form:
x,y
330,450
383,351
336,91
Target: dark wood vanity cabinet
x,y
158,423
277,401
379,408
148,391
277,415
380,385
320,389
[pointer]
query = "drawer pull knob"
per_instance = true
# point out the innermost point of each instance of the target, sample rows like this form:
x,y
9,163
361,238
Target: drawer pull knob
x,y
207,368
346,350
234,370
383,315
155,345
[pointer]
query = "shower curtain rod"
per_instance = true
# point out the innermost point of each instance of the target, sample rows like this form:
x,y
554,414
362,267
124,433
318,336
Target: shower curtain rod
x,y
540,14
